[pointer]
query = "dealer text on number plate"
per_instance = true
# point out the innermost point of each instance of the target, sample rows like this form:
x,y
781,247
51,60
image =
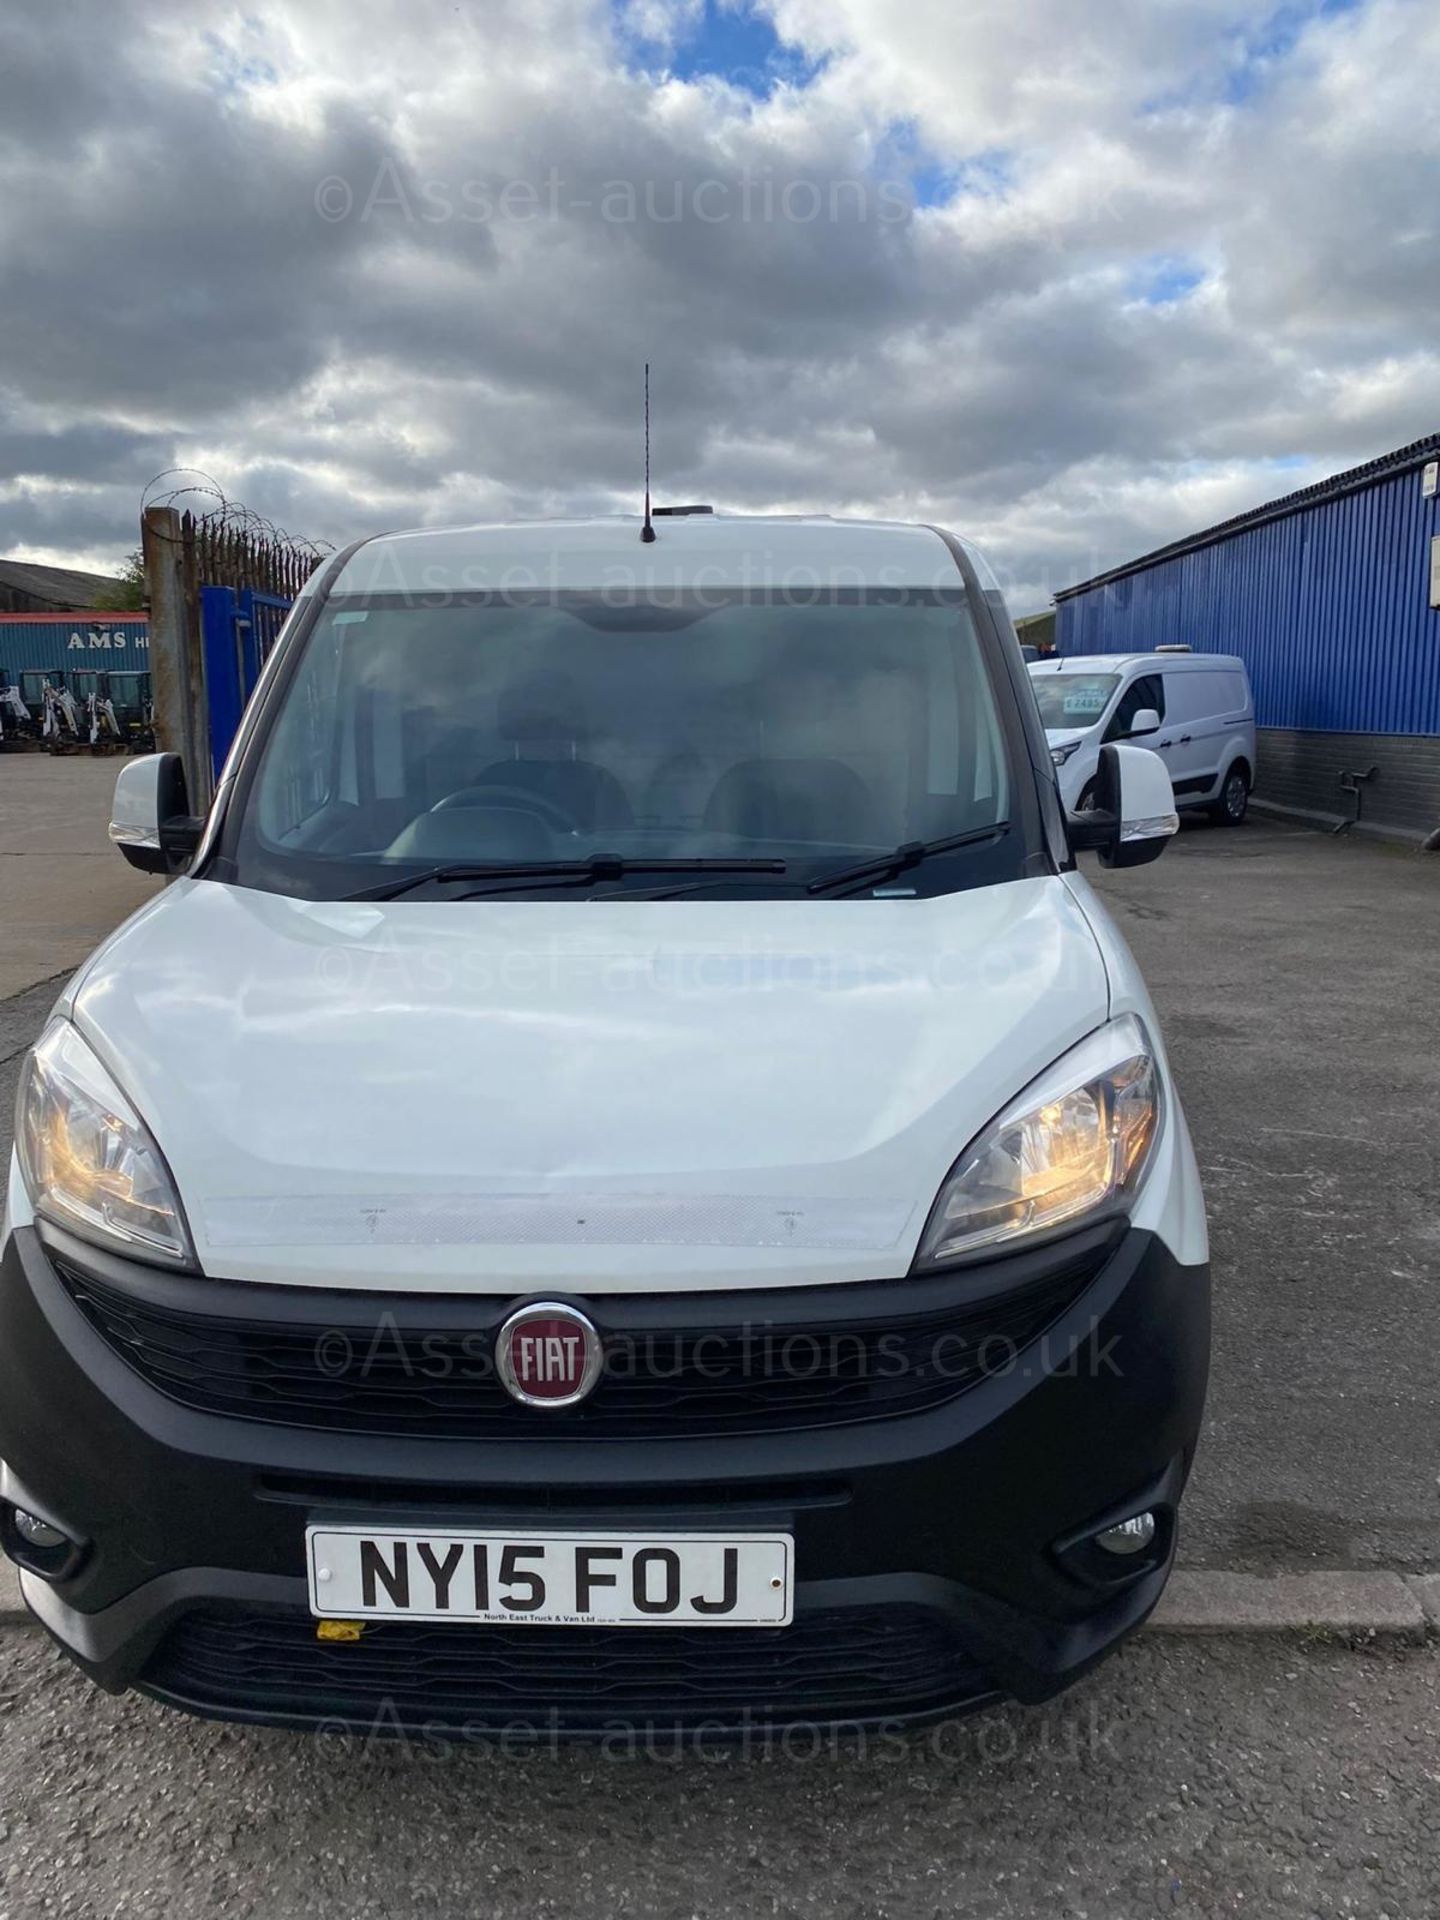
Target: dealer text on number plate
x,y
592,1579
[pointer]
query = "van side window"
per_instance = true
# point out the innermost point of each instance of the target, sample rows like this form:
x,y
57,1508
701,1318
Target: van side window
x,y
1147,691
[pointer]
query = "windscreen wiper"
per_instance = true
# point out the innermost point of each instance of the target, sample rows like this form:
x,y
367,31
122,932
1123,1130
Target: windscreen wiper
x,y
885,865
689,887
580,873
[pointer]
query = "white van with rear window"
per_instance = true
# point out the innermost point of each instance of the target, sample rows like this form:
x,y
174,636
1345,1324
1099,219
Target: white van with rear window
x,y
1194,709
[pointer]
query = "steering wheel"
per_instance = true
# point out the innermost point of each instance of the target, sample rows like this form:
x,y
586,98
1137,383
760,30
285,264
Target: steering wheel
x,y
512,799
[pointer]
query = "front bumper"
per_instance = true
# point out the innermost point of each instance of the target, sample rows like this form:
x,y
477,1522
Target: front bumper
x,y
941,1554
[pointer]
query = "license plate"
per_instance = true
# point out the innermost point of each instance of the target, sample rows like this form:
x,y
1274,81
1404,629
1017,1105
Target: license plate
x,y
547,1579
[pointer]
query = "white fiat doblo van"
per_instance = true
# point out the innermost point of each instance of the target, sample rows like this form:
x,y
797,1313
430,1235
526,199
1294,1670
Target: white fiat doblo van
x,y
629,1187
1194,709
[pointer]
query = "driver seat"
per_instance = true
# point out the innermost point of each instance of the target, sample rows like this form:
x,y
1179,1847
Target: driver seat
x,y
542,717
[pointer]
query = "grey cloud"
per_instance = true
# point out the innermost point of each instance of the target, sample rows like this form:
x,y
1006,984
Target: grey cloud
x,y
416,347
85,451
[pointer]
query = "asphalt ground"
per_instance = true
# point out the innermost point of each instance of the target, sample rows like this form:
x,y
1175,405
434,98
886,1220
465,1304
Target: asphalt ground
x,y
62,885
1297,978
1235,1777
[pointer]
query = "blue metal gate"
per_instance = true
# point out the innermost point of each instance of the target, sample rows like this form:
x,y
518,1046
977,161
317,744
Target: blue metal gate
x,y
238,629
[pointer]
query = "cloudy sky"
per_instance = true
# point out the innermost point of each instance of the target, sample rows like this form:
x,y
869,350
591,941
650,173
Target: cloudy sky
x,y
1073,276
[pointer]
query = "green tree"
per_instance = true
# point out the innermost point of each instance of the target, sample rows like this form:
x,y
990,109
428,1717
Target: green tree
x,y
128,594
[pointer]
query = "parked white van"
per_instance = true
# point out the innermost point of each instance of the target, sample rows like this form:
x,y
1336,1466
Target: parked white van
x,y
629,1187
1194,709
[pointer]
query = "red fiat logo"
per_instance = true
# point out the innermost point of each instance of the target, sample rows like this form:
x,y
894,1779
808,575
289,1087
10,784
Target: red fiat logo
x,y
548,1355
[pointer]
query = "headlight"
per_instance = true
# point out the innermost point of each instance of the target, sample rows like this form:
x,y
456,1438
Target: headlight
x,y
1061,754
1072,1145
89,1163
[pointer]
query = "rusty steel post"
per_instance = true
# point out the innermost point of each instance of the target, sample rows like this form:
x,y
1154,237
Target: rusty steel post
x,y
175,650
160,546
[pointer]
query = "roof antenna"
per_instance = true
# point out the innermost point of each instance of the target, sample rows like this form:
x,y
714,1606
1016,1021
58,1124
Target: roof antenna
x,y
647,532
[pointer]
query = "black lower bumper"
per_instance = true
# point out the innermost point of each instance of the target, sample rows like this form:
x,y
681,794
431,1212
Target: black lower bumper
x,y
943,1556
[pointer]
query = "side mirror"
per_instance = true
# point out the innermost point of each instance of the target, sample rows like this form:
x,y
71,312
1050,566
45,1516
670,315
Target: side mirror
x,y
1147,720
150,818
1134,813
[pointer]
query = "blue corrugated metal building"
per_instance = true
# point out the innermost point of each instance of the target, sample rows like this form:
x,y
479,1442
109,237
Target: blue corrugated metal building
x,y
1331,596
77,647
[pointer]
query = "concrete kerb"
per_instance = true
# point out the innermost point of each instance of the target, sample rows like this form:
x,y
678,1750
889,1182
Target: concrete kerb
x,y
13,1611
1329,1605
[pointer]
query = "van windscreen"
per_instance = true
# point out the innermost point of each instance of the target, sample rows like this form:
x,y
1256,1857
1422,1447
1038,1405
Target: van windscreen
x,y
1072,699
718,725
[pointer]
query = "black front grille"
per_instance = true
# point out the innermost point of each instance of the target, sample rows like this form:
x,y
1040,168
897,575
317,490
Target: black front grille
x,y
829,1665
414,1367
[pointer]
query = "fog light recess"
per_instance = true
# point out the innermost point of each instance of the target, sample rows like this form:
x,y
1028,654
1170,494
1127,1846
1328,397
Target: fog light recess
x,y
36,1532
1132,1536
38,1545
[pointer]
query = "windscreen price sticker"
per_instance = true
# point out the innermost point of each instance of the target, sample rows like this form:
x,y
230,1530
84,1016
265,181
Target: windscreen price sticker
x,y
1085,702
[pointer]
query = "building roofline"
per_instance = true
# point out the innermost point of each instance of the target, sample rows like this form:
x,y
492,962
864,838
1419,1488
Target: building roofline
x,y
92,616
1417,454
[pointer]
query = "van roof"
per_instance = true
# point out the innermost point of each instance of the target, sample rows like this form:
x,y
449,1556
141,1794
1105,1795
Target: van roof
x,y
753,550
1121,662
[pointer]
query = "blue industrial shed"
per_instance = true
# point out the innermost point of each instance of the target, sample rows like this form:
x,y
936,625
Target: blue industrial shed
x,y
107,654
62,643
1331,596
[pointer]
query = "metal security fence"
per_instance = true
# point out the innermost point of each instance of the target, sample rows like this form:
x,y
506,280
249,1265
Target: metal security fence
x,y
221,583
